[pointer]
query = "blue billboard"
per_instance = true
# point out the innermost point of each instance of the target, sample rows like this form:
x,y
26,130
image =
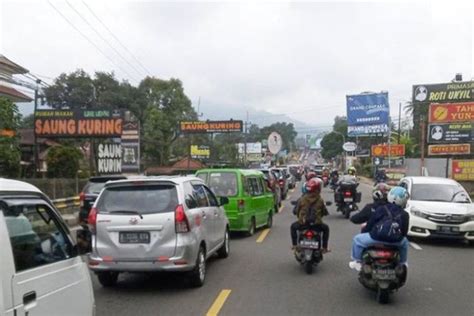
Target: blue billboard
x,y
367,113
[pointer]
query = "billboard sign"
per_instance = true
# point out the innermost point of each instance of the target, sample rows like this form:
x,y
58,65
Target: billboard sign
x,y
451,112
78,123
109,158
364,110
195,127
449,149
451,133
463,170
395,175
131,147
362,152
274,142
396,150
443,92
252,148
385,162
200,152
349,146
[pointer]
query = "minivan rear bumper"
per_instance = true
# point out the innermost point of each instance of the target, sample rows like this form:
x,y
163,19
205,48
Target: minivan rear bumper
x,y
184,259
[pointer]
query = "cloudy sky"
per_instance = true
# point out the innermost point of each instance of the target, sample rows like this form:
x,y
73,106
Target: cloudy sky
x,y
297,58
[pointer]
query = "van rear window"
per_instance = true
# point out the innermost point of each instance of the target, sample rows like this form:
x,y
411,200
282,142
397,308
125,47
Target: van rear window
x,y
144,199
223,183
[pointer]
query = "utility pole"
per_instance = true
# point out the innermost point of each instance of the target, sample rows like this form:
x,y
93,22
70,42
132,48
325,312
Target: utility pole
x,y
399,121
422,143
389,142
245,139
35,144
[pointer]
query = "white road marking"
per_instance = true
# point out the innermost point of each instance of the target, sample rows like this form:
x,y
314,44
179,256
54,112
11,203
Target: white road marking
x,y
415,246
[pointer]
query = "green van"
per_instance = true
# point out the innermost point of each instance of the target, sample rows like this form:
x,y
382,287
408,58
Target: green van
x,y
250,202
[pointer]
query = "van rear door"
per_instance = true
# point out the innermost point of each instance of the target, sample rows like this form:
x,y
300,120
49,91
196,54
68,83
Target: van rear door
x,y
135,221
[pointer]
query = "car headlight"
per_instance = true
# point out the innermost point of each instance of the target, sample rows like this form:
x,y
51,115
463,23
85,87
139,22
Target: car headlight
x,y
416,212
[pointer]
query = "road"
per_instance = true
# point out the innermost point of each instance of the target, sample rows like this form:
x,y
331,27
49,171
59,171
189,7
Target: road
x,y
263,278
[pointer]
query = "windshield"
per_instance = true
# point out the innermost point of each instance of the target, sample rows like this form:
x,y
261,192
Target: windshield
x,y
438,192
144,199
223,183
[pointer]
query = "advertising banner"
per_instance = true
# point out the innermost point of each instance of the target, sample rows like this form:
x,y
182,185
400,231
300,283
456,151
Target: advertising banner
x,y
463,170
451,133
449,149
396,150
252,148
362,152
200,152
189,127
367,113
109,158
78,123
254,157
367,130
395,175
443,92
451,112
384,161
131,147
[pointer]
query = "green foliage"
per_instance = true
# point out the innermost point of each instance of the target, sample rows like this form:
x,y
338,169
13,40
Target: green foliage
x,y
63,161
332,143
28,121
74,90
10,155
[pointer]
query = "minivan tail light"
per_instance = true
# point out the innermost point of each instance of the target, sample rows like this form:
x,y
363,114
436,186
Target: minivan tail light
x,y
92,218
241,205
181,220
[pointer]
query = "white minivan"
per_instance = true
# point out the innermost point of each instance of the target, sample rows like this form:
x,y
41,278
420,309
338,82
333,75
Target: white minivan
x,y
41,272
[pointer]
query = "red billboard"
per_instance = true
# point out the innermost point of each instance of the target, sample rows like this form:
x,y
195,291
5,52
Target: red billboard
x,y
396,150
451,112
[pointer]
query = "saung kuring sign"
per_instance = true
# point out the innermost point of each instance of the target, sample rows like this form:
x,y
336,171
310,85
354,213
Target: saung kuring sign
x,y
109,158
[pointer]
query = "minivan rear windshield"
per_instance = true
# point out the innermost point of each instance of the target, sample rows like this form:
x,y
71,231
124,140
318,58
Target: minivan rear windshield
x,y
144,199
223,183
94,187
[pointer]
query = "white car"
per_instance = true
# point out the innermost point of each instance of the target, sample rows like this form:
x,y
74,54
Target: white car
x,y
41,272
439,208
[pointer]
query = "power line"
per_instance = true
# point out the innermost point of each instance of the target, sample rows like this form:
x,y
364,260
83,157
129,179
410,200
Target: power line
x,y
103,38
116,38
90,41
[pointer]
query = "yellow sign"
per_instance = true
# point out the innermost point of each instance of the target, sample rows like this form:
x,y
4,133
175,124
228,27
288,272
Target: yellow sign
x,y
463,170
198,151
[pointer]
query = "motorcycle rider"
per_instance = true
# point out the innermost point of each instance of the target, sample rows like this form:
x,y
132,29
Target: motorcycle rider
x,y
395,211
381,176
311,201
348,179
379,194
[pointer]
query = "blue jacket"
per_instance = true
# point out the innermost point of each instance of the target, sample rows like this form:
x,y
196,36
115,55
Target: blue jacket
x,y
380,213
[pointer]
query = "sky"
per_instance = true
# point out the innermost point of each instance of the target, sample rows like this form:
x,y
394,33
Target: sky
x,y
282,57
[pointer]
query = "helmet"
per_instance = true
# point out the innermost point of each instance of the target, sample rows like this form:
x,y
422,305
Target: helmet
x,y
313,185
352,171
310,175
398,196
380,191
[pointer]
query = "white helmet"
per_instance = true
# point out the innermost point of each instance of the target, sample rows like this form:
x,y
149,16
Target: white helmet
x,y
398,196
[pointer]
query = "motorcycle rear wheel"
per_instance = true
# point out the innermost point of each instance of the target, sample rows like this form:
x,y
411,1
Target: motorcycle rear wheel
x,y
382,296
308,267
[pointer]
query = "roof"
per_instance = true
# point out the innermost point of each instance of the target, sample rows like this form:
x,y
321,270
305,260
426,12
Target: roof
x,y
432,180
175,179
15,185
12,67
245,172
13,94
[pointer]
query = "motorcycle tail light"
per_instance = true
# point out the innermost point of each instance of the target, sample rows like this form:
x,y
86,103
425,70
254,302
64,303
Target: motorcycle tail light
x,y
347,193
309,234
382,254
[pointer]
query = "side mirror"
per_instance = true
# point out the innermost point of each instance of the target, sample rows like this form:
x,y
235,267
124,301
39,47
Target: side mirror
x,y
224,200
83,241
294,202
328,203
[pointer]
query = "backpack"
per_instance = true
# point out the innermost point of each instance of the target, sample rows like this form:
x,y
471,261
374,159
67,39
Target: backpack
x,y
389,228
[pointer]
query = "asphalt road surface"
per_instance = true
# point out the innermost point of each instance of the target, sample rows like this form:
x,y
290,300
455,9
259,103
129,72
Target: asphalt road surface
x,y
261,277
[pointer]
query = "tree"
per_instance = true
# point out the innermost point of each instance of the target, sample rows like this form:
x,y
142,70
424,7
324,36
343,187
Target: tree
x,y
166,104
10,154
75,91
332,143
28,121
63,161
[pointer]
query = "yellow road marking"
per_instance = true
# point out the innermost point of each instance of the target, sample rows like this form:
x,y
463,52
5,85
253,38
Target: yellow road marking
x,y
264,234
218,303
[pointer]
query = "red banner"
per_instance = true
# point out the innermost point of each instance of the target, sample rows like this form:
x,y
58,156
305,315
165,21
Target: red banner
x,y
451,112
463,170
450,149
396,150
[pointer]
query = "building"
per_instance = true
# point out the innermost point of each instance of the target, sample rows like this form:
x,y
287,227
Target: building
x,y
7,83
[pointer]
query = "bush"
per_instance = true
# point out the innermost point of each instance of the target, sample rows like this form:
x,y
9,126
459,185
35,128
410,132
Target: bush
x,y
63,162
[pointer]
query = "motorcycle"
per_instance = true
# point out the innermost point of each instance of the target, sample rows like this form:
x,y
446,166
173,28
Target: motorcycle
x,y
382,272
347,198
308,252
333,182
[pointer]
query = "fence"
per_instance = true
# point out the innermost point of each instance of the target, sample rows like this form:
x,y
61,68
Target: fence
x,y
58,188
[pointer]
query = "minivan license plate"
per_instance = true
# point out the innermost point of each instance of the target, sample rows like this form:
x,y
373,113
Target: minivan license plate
x,y
134,237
